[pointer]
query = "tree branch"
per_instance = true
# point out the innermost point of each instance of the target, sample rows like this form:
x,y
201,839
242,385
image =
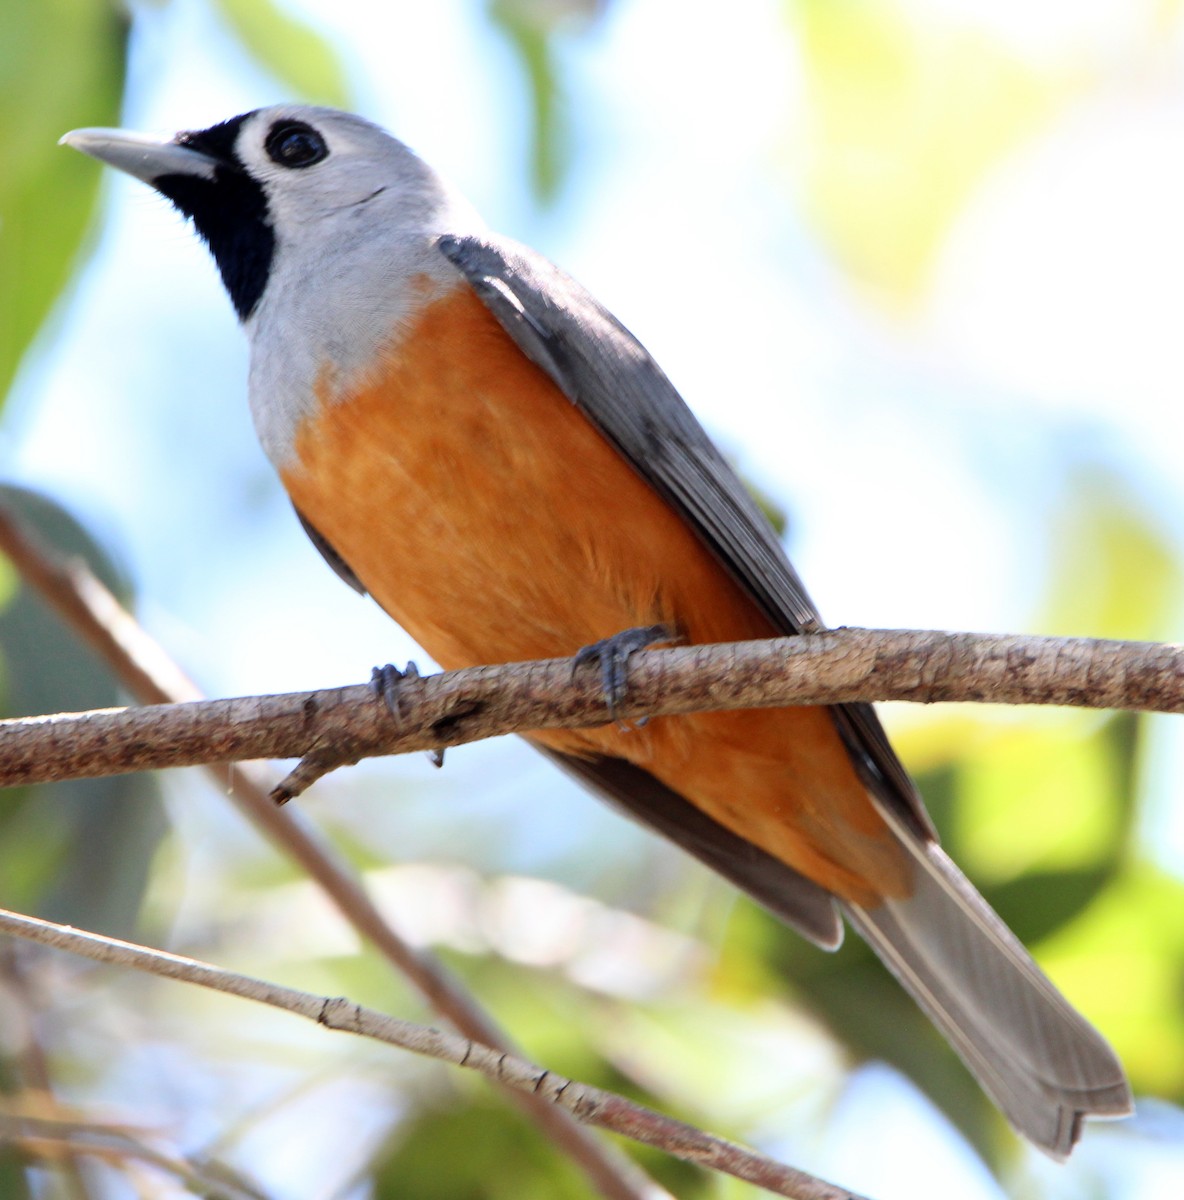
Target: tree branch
x,y
586,1103
86,605
342,725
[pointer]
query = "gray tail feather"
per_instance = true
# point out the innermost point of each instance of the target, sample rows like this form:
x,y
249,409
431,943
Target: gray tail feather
x,y
1041,1062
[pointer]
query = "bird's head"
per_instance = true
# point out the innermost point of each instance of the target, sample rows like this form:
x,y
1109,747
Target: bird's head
x,y
286,180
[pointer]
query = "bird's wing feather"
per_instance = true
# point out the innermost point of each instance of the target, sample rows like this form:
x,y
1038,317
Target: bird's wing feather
x,y
602,369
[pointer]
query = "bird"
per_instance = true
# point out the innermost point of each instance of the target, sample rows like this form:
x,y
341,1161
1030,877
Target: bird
x,y
470,438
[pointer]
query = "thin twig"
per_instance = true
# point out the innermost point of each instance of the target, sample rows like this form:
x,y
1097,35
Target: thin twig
x,y
51,1139
341,725
588,1104
24,1043
89,608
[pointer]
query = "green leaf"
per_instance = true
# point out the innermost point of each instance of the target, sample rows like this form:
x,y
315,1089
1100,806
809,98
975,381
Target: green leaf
x,y
531,27
61,66
290,49
1041,795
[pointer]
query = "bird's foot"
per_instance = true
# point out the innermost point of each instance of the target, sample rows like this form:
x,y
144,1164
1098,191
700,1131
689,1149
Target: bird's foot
x,y
613,654
390,684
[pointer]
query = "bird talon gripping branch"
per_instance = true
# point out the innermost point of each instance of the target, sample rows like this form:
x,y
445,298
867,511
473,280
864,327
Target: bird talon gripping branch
x,y
613,654
475,442
389,684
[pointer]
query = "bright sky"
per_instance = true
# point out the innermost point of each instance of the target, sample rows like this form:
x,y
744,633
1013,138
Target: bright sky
x,y
907,453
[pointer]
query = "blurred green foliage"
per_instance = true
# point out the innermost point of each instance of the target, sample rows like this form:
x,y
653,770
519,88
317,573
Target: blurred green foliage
x,y
533,29
908,109
491,1152
78,851
61,66
295,54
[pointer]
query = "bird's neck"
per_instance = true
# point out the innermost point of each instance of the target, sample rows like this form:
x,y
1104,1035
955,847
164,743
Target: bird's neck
x,y
320,328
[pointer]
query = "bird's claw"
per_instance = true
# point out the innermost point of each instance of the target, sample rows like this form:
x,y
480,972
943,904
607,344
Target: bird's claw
x,y
613,654
387,683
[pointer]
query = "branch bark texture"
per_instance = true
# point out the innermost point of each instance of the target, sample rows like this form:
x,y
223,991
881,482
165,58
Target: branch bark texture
x,y
339,725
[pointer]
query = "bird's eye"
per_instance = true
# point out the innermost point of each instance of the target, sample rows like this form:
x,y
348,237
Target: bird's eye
x,y
294,144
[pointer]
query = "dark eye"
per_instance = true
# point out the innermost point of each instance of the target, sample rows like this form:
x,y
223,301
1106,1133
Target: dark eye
x,y
294,144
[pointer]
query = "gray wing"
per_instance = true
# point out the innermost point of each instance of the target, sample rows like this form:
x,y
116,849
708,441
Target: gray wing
x,y
602,369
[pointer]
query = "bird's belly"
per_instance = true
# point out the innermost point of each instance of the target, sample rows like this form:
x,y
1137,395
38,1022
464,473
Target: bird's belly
x,y
486,514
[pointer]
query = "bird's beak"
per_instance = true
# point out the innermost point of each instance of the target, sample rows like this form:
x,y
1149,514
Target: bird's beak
x,y
145,157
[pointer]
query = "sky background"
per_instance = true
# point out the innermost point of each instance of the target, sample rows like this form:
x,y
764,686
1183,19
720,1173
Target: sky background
x,y
923,444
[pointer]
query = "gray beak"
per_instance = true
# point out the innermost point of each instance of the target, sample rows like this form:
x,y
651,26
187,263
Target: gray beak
x,y
145,157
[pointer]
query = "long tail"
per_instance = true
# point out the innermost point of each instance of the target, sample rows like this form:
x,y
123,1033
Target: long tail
x,y
1041,1062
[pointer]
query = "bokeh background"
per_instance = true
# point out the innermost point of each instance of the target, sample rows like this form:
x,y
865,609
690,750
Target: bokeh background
x,y
919,267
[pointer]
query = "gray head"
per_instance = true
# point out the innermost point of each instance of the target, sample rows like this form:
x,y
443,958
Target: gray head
x,y
276,177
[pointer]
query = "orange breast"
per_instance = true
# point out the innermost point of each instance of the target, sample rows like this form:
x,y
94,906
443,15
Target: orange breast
x,y
485,513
